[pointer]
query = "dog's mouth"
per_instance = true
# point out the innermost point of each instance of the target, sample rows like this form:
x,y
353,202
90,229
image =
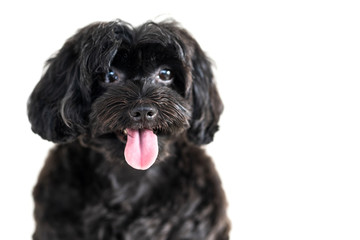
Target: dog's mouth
x,y
141,148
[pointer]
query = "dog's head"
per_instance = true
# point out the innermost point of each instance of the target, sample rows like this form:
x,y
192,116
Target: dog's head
x,y
127,91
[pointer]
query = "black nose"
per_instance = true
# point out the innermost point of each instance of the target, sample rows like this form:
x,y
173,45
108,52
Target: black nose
x,y
143,112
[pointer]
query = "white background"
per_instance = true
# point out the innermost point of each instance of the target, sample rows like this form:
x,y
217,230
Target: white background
x,y
289,73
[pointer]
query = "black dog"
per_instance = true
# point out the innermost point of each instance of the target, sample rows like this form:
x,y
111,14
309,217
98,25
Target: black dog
x,y
129,108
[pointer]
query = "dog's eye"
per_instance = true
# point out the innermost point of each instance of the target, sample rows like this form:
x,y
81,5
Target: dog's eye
x,y
111,76
165,75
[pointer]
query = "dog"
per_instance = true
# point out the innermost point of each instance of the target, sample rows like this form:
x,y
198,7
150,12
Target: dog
x,y
129,109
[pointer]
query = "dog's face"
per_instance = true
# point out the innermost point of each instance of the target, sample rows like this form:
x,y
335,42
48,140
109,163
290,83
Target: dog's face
x,y
129,92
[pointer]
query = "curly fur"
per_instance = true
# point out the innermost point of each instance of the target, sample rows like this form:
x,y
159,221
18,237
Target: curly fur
x,y
86,190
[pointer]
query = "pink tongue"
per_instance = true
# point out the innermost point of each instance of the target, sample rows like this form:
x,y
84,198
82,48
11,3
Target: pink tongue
x,y
141,148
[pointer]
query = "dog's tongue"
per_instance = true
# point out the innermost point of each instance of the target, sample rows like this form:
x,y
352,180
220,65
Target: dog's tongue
x,y
141,148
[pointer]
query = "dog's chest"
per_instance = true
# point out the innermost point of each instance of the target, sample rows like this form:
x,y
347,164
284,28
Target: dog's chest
x,y
132,207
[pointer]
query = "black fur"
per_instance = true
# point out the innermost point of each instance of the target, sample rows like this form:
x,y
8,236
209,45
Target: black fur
x,y
89,94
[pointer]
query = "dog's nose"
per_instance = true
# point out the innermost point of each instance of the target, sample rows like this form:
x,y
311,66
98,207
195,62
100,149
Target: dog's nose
x,y
143,112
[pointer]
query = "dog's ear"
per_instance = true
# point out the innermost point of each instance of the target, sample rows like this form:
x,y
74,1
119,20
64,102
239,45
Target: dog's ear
x,y
207,105
200,86
59,106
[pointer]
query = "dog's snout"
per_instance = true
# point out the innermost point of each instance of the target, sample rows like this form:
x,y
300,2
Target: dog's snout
x,y
143,112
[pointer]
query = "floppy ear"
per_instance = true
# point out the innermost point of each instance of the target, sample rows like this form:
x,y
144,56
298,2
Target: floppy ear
x,y
59,106
207,105
50,108
200,86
